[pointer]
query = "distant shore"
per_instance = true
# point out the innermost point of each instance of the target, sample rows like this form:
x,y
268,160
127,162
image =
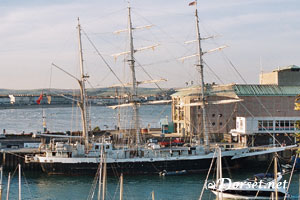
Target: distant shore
x,y
5,107
34,106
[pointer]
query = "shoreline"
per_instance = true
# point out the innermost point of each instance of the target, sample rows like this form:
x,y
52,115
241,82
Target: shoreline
x,y
56,106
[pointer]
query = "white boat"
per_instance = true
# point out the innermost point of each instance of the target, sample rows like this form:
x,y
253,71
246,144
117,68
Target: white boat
x,y
261,186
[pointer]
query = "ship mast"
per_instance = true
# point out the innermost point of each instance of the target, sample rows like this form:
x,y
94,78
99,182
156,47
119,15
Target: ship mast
x,y
134,83
134,102
200,68
82,103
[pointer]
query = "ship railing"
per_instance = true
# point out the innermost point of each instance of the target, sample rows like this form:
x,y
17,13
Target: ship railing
x,y
227,146
30,158
265,147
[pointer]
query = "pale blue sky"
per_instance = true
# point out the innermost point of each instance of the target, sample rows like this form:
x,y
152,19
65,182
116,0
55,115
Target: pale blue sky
x,y
36,33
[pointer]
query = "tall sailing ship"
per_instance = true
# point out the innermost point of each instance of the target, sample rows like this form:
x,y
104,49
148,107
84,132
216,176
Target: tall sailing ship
x,y
83,157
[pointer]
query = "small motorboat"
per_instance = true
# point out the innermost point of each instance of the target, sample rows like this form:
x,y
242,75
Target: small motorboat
x,y
260,186
172,173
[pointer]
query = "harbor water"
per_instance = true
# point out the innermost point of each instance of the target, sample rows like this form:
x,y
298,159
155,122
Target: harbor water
x,y
40,186
61,119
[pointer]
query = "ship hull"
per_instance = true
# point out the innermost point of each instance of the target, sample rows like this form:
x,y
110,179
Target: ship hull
x,y
134,168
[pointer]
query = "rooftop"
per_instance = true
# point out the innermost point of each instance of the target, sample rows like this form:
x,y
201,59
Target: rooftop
x,y
266,90
235,90
290,67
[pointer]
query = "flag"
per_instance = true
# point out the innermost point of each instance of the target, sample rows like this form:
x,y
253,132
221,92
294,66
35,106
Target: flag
x,y
38,101
192,3
49,99
12,99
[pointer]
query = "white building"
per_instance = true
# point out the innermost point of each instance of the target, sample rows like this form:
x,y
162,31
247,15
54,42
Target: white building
x,y
262,128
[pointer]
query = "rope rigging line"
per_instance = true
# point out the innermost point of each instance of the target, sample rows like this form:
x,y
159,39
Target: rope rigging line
x,y
263,127
255,95
100,55
209,170
27,184
212,71
273,159
14,154
94,184
149,75
290,179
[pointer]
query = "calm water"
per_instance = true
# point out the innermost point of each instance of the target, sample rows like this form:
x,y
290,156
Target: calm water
x,y
39,186
187,187
68,118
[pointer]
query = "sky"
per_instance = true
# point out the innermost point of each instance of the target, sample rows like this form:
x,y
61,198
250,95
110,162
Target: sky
x,y
261,35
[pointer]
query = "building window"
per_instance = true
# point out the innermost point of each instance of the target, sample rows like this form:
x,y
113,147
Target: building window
x,y
265,125
277,125
292,125
270,125
281,125
260,125
213,115
213,123
286,125
221,123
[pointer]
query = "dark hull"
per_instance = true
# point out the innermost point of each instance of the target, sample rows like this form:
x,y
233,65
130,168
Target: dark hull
x,y
134,168
252,193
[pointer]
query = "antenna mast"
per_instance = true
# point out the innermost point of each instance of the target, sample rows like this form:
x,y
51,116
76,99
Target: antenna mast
x,y
200,69
82,103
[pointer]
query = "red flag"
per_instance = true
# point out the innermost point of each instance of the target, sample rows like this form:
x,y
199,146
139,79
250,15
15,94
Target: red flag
x,y
38,101
192,3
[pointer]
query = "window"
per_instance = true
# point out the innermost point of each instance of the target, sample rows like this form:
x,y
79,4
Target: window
x,y
270,126
213,123
213,115
281,125
292,125
260,125
265,125
286,125
277,127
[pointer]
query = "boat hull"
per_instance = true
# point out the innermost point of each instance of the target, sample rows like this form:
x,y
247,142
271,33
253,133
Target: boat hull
x,y
154,167
254,194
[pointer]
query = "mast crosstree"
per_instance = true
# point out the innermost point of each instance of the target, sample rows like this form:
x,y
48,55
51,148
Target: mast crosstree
x,y
134,102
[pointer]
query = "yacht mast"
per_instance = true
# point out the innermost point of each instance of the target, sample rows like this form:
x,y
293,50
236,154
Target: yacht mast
x,y
134,83
200,69
82,103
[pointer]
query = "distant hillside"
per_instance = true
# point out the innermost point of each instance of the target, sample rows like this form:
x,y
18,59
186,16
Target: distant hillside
x,y
102,92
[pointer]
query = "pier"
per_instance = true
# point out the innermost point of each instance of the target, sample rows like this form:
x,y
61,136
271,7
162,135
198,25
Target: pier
x,y
10,158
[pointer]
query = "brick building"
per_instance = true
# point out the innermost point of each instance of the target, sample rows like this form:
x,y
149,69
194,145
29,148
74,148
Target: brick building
x,y
257,104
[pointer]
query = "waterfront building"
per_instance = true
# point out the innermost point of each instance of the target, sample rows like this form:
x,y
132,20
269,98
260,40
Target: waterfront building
x,y
270,103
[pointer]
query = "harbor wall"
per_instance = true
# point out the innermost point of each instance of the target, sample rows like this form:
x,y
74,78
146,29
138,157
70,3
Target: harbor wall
x,y
10,161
